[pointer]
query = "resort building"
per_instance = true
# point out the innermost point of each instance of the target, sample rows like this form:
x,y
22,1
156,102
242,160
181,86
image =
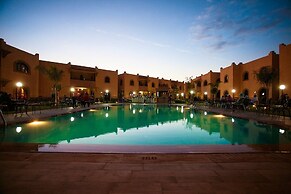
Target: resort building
x,y
149,89
21,77
202,86
240,78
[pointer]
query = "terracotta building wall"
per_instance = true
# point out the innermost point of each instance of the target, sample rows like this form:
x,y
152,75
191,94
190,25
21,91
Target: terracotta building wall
x,y
252,85
127,88
8,71
46,89
153,84
101,86
231,72
285,67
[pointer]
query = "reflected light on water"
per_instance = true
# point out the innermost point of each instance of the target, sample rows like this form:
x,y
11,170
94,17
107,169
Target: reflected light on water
x,y
36,123
191,115
72,119
92,110
205,113
219,116
282,131
232,120
18,129
106,115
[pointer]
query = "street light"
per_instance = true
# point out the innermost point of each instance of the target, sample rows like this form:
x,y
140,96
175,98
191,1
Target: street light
x,y
233,91
282,88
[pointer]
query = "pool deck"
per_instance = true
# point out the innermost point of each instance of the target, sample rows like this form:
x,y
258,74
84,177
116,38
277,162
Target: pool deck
x,y
24,170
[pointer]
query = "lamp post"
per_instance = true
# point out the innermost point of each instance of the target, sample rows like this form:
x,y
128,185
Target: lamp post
x,y
205,95
282,88
191,94
72,91
18,86
233,91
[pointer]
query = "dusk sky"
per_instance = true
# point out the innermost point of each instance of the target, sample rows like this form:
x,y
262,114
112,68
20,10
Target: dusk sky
x,y
172,39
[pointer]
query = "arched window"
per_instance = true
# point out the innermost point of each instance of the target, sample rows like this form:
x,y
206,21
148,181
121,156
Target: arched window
x,y
225,93
199,84
246,76
153,85
205,83
107,79
22,67
226,78
131,82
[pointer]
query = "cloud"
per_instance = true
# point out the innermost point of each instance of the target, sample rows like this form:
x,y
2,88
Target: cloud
x,y
223,23
142,41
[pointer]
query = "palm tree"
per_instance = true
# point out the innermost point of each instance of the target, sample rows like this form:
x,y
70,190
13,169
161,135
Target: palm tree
x,y
55,75
214,89
265,76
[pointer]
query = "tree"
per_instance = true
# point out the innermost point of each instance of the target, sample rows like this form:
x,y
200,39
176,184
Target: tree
x,y
214,88
265,76
55,75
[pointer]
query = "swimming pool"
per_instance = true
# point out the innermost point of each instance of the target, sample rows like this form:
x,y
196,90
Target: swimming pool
x,y
137,125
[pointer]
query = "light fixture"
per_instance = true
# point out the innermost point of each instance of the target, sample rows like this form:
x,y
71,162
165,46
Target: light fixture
x,y
19,84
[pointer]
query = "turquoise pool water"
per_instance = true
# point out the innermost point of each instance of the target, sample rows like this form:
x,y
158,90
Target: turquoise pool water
x,y
145,125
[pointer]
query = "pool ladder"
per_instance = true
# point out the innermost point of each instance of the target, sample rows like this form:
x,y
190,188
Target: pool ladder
x,y
2,117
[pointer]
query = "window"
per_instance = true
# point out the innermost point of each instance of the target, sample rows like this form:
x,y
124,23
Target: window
x,y
246,92
153,85
120,82
246,76
205,83
199,84
22,67
226,78
131,82
218,80
107,79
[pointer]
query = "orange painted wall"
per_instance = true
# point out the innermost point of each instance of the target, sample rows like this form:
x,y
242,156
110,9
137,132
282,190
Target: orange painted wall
x,y
46,89
101,86
285,66
126,88
29,81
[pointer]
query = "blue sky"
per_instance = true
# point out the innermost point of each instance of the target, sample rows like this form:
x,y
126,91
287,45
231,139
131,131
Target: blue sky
x,y
172,39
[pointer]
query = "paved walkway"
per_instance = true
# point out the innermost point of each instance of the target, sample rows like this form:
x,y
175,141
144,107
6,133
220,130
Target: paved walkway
x,y
144,173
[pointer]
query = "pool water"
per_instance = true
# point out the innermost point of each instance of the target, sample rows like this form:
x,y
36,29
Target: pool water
x,y
145,125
